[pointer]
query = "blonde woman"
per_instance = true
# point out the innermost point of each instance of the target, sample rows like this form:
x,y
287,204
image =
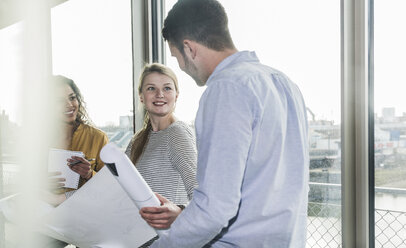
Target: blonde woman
x,y
164,150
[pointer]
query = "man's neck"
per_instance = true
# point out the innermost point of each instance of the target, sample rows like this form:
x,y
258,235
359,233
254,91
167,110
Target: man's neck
x,y
213,58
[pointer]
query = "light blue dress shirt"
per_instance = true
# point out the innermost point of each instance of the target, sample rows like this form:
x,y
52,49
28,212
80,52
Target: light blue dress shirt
x,y
252,170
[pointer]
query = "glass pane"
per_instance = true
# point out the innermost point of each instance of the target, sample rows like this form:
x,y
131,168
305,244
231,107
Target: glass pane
x,y
289,36
91,44
189,93
390,123
10,118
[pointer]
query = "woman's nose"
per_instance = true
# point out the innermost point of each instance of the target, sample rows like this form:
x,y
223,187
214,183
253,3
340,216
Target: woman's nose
x,y
68,103
159,93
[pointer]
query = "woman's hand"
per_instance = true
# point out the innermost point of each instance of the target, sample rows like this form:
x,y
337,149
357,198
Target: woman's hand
x,y
81,166
55,182
163,216
51,198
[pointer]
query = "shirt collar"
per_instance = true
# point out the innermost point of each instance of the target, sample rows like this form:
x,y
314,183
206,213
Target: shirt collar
x,y
243,56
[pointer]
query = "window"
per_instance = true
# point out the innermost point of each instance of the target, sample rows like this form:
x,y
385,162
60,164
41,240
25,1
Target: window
x,y
91,44
390,123
189,93
287,37
10,114
10,67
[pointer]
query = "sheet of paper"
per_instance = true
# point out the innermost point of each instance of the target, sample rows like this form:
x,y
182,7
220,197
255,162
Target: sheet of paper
x,y
124,171
99,214
12,206
57,162
128,176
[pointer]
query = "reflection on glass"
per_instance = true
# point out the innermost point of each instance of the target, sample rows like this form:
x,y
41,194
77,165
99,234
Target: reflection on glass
x,y
390,124
308,51
10,115
94,49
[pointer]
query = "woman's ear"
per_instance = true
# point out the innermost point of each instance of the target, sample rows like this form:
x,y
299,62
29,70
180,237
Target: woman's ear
x,y
141,98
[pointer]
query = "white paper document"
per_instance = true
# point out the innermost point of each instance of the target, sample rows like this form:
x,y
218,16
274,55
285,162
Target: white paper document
x,y
129,178
99,214
57,161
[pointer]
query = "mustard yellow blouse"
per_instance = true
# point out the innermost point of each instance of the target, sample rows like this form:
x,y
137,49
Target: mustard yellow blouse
x,y
90,141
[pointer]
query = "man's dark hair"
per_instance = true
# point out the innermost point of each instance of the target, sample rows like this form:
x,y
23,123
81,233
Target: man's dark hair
x,y
203,21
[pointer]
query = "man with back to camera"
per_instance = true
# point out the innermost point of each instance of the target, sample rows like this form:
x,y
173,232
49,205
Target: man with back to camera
x,y
251,131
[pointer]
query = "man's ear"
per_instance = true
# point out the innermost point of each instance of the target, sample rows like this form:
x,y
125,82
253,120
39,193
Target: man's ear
x,y
190,48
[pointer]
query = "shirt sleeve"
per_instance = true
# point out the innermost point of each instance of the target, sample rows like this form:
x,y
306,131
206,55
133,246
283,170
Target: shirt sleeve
x,y
224,126
183,156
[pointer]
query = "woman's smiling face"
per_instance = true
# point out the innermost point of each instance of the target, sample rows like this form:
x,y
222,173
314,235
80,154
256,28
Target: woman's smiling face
x,y
158,94
69,104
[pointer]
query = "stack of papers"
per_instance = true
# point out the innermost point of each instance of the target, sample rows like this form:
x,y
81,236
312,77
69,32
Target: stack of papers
x,y
57,161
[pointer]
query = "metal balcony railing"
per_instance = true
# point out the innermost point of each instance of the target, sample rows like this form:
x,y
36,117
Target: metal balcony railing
x,y
325,231
323,225
324,219
390,228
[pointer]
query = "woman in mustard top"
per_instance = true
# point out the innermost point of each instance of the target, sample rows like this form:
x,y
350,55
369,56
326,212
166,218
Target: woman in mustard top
x,y
79,135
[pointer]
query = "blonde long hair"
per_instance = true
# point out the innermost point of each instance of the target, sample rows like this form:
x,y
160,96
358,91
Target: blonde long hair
x,y
140,139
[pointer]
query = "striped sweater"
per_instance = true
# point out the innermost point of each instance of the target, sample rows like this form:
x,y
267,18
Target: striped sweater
x,y
168,163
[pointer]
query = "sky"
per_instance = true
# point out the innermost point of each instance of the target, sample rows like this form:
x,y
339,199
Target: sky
x,y
308,51
94,49
390,54
10,65
91,43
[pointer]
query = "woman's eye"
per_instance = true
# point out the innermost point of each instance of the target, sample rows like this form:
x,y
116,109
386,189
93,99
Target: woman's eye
x,y
168,88
72,98
150,88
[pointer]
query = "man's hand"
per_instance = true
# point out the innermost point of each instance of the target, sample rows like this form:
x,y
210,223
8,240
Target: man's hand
x,y
163,216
